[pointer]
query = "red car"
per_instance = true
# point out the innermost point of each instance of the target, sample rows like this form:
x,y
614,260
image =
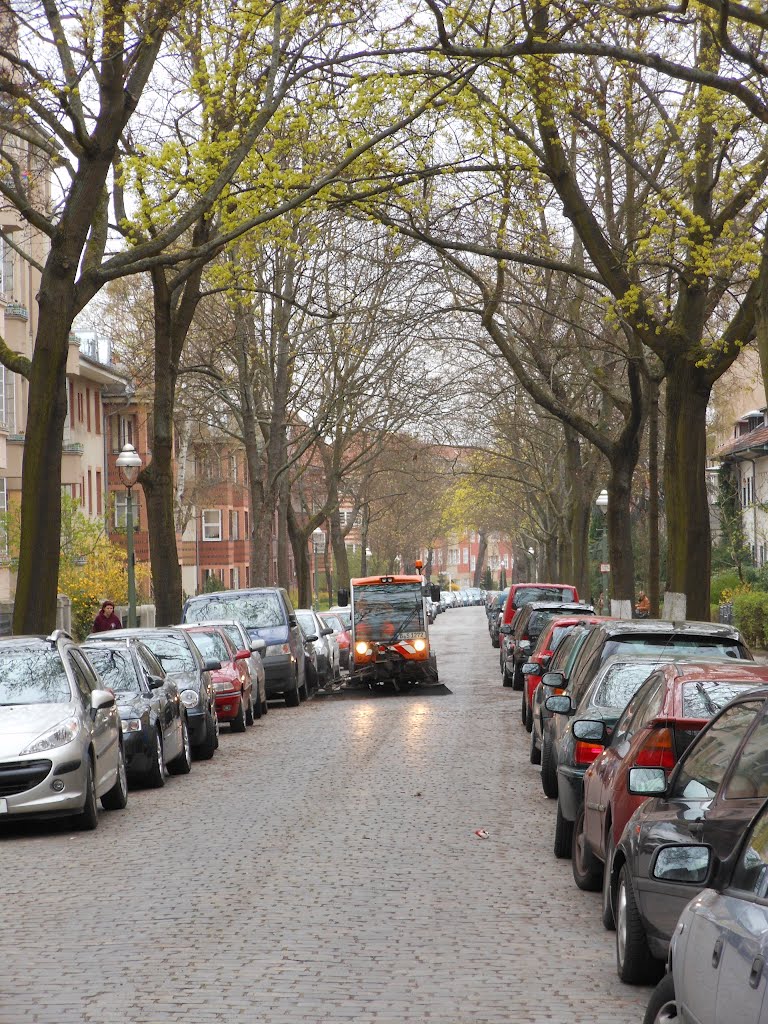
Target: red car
x,y
520,594
551,636
658,724
232,682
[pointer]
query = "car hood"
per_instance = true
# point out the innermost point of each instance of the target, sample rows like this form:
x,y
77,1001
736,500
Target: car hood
x,y
184,680
20,724
130,704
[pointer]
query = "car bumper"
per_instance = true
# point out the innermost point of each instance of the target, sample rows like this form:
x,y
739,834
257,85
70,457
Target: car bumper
x,y
197,726
279,672
136,746
570,790
63,768
227,705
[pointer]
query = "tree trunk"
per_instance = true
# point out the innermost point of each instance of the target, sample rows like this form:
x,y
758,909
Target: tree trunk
x,y
428,565
364,540
340,555
328,567
482,551
301,559
619,524
578,570
34,609
685,490
653,499
283,543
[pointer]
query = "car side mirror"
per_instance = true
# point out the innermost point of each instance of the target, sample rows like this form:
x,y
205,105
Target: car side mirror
x,y
326,632
102,699
258,646
292,621
212,665
559,704
684,862
556,680
588,729
342,597
310,637
530,668
505,628
155,682
242,655
647,781
524,645
434,593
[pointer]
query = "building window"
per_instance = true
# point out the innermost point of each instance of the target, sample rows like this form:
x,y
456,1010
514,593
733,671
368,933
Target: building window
x,y
8,399
234,578
88,408
121,510
212,524
247,575
234,525
3,509
233,469
90,492
466,556
6,267
122,432
71,404
99,495
79,406
97,410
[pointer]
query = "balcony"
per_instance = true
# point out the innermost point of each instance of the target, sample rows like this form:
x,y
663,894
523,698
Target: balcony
x,y
16,311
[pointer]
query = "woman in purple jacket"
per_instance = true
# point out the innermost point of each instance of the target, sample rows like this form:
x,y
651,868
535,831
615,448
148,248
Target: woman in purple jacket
x,y
106,619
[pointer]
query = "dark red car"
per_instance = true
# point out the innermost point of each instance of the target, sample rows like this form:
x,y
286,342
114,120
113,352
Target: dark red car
x,y
659,723
520,594
232,683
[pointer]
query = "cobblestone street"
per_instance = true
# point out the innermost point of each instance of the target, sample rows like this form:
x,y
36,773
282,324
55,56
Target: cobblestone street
x,y
322,868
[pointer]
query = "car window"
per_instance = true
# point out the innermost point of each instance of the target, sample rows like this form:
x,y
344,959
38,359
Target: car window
x,y
751,872
82,678
748,778
702,771
150,662
703,699
33,677
538,621
629,723
211,645
691,644
116,668
524,595
619,683
562,656
172,652
307,623
234,635
333,621
259,610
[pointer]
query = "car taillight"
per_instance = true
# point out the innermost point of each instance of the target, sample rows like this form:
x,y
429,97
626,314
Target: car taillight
x,y
586,753
657,751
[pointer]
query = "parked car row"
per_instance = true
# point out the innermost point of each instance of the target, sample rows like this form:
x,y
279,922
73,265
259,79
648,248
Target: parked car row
x,y
81,723
652,737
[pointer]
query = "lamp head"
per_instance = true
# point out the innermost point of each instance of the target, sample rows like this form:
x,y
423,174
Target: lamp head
x,y
128,464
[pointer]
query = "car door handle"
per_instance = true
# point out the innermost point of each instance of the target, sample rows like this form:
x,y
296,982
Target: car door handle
x,y
757,971
717,952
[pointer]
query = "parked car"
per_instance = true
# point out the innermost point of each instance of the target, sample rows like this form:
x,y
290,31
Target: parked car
x,y
622,636
152,717
231,680
341,635
326,667
720,946
184,665
344,615
496,612
518,640
520,594
555,630
61,745
268,615
719,784
242,641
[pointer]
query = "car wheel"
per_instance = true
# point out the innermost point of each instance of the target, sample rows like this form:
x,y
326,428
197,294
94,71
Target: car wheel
x,y
535,753
182,764
494,642
88,819
528,718
548,769
304,690
258,706
662,1007
506,679
523,712
587,869
563,835
517,677
116,798
634,962
155,777
249,716
238,722
609,921
293,697
207,748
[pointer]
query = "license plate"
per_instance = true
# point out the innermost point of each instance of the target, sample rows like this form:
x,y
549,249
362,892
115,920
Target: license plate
x,y
3,806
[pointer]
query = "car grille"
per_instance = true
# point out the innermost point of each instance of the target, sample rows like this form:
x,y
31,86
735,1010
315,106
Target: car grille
x,y
19,776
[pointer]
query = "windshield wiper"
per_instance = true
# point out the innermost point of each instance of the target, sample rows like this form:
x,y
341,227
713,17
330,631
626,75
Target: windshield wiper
x,y
402,626
710,705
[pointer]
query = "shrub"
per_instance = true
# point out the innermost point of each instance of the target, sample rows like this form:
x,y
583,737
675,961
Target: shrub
x,y
714,613
750,615
727,580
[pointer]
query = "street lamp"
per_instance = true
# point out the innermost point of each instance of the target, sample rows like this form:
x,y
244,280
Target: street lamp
x,y
532,552
129,466
602,503
318,545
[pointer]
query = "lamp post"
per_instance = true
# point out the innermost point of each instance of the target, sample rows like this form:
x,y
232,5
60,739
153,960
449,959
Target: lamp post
x,y
317,537
602,503
532,552
128,466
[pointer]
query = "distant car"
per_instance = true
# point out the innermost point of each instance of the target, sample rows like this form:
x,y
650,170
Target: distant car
x,y
153,719
344,615
61,745
183,663
719,784
320,647
520,594
719,948
242,640
495,612
268,615
341,635
232,682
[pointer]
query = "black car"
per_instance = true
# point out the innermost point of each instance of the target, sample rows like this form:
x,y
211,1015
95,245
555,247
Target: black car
x,y
714,791
152,717
268,615
183,664
519,638
494,611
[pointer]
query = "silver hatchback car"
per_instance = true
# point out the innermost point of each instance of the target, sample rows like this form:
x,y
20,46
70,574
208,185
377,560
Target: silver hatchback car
x,y
61,746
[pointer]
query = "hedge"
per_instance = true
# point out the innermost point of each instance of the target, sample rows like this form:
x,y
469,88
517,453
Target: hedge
x,y
750,615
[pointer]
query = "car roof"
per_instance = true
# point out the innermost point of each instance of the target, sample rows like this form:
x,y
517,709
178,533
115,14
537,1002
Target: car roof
x,y
136,631
226,595
566,606
720,670
614,627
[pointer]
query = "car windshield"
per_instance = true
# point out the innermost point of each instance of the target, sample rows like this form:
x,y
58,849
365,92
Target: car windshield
x,y
538,621
172,652
620,683
526,594
307,623
702,699
334,622
259,610
234,635
690,643
211,645
383,610
33,677
115,668
345,617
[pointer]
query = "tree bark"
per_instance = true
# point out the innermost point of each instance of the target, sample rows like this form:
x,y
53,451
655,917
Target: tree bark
x,y
685,491
620,554
653,499
482,550
340,554
301,559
